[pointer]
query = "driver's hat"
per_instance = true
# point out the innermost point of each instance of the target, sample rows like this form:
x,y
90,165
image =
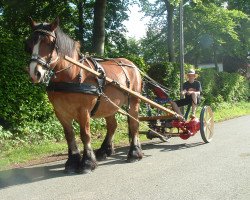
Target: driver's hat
x,y
192,72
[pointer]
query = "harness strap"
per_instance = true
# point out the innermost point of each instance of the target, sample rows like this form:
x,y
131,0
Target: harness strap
x,y
127,82
100,81
85,88
46,32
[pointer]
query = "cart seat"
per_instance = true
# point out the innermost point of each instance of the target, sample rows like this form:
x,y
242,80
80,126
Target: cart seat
x,y
161,95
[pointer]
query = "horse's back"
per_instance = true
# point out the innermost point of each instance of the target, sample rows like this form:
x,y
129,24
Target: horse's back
x,y
123,71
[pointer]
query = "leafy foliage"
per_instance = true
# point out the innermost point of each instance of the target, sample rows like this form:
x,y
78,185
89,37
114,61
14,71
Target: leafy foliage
x,y
215,29
25,109
220,87
19,100
168,74
210,31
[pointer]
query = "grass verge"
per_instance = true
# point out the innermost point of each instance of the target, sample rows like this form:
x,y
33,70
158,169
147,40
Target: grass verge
x,y
20,156
225,111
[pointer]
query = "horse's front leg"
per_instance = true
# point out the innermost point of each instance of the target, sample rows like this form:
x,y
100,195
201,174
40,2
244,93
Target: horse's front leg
x,y
135,151
107,147
88,161
73,163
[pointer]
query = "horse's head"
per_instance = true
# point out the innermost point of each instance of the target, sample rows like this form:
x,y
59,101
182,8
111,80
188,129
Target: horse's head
x,y
43,49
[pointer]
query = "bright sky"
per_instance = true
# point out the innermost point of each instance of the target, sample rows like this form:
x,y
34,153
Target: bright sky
x,y
136,25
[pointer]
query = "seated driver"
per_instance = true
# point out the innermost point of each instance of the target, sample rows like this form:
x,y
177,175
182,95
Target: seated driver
x,y
191,91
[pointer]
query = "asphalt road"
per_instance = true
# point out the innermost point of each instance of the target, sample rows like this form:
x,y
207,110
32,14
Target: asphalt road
x,y
176,170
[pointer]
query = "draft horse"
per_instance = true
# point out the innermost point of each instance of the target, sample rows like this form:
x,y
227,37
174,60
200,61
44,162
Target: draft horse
x,y
77,95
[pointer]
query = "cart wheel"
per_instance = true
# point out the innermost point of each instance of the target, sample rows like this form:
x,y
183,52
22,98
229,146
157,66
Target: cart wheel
x,y
206,124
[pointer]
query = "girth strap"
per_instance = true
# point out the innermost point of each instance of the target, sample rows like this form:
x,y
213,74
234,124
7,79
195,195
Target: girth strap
x,y
86,88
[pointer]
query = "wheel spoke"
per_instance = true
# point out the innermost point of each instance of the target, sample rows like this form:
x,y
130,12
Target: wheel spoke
x,y
210,130
208,121
205,117
207,131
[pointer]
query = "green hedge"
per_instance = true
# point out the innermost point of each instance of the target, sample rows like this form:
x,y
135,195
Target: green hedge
x,y
168,75
223,87
20,101
26,116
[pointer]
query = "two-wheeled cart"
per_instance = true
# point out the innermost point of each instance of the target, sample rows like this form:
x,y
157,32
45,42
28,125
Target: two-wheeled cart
x,y
167,126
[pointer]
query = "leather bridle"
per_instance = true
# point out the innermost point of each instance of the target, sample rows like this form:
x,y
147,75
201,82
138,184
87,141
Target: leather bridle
x,y
46,64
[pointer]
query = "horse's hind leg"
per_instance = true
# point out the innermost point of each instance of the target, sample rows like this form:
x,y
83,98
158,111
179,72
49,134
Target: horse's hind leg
x,y
135,152
88,162
73,163
107,148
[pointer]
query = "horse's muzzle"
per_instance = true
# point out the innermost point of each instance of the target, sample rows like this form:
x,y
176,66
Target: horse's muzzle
x,y
36,73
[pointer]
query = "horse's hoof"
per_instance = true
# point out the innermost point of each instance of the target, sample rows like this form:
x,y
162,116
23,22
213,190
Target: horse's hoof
x,y
88,162
87,166
134,154
72,164
100,154
103,153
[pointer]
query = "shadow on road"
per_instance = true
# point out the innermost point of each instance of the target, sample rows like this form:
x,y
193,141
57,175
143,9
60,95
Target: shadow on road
x,y
38,173
171,147
31,174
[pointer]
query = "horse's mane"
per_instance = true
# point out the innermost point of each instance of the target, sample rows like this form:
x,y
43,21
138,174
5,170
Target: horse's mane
x,y
66,45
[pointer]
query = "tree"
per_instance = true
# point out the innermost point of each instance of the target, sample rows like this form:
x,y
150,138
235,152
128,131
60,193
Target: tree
x,y
115,40
99,26
170,28
210,32
162,13
242,5
80,8
215,29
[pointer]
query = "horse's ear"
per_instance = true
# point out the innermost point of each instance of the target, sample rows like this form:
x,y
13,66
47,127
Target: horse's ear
x,y
54,24
32,23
